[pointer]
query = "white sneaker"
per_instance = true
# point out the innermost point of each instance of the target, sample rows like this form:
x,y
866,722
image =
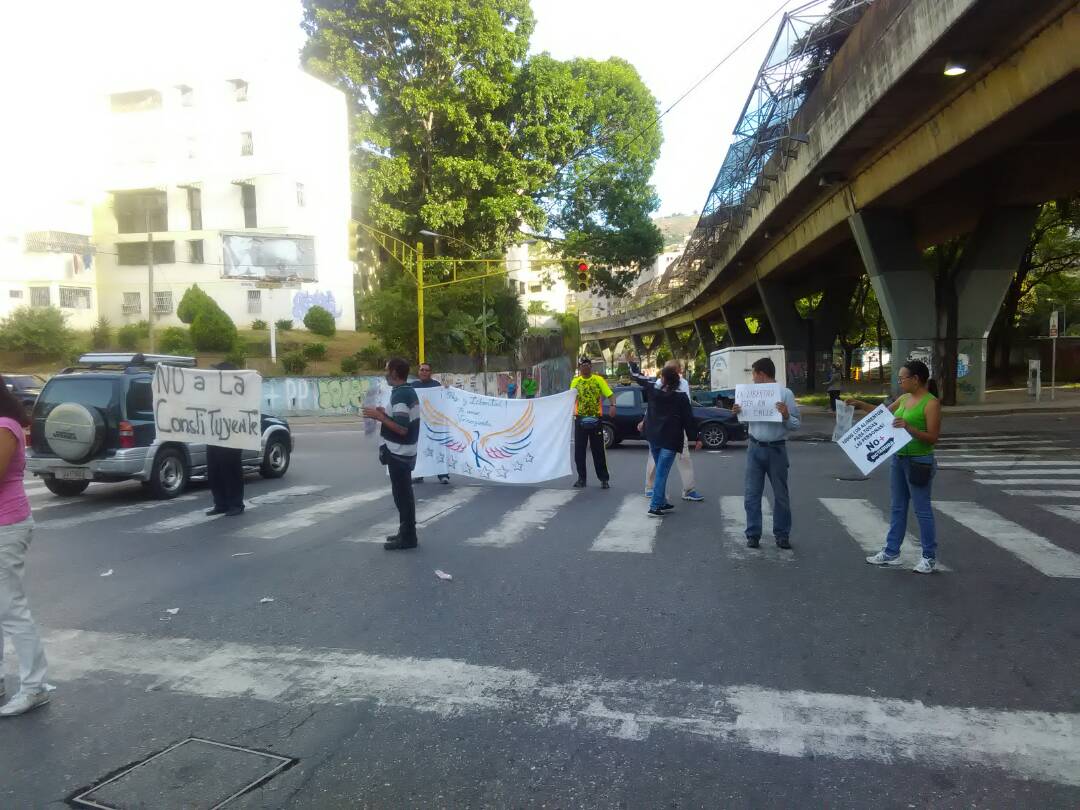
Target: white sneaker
x,y
23,702
925,566
881,558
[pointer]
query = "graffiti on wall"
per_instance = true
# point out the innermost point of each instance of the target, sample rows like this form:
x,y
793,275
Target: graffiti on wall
x,y
305,300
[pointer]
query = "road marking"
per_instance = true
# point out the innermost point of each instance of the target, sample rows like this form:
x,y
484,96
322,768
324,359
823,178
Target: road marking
x,y
1036,551
309,516
199,516
1042,493
733,524
1036,745
1052,471
989,437
631,530
1070,511
997,442
991,451
426,511
540,507
1015,481
111,513
994,461
868,527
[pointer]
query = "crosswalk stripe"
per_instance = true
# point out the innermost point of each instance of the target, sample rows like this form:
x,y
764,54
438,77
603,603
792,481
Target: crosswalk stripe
x,y
198,516
309,516
733,523
1052,471
868,527
535,512
996,462
1036,551
426,511
997,442
990,451
988,436
1015,481
631,530
111,513
1042,493
1069,510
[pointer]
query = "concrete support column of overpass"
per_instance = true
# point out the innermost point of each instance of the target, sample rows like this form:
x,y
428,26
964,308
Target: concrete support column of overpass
x,y
737,329
790,331
990,259
639,345
903,285
705,335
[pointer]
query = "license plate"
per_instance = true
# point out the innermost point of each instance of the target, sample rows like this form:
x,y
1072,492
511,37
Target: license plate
x,y
72,473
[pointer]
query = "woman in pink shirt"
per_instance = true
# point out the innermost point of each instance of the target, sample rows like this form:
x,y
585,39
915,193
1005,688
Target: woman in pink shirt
x,y
16,532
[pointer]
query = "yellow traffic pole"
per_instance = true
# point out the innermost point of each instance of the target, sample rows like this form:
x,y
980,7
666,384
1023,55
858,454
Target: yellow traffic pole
x,y
420,300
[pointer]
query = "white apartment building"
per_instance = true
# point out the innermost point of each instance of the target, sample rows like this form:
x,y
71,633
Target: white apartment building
x,y
544,283
591,306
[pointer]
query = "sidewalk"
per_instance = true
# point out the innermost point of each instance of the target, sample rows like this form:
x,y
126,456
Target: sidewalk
x,y
1001,402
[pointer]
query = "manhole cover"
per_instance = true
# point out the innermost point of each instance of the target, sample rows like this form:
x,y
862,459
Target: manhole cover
x,y
194,774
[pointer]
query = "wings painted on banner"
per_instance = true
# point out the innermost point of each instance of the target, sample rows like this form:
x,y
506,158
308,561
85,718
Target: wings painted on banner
x,y
485,447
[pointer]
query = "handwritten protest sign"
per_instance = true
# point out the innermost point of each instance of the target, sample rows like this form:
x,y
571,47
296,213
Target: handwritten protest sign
x,y
208,407
506,441
872,440
758,402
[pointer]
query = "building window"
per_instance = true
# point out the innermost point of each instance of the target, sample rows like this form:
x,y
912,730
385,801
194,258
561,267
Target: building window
x,y
135,101
187,95
15,293
239,89
254,302
132,303
247,147
194,203
141,210
299,195
521,288
74,298
134,253
162,302
247,196
195,251
535,288
39,297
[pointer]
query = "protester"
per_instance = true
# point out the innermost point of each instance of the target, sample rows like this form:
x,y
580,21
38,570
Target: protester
x,y
670,427
225,472
591,390
397,449
836,382
686,464
528,384
426,381
918,411
767,456
16,533
511,389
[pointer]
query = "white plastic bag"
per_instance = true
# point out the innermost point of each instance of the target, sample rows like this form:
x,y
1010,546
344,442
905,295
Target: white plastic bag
x,y
845,414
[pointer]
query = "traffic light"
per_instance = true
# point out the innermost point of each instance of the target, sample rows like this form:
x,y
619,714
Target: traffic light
x,y
354,241
583,277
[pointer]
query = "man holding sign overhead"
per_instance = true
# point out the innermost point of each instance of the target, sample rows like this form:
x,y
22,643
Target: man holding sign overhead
x,y
772,413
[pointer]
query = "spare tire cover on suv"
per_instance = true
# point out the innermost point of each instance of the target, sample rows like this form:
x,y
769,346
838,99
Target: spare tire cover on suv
x,y
74,432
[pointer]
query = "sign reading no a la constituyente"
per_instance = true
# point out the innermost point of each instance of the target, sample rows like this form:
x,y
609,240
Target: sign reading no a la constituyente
x,y
873,439
208,407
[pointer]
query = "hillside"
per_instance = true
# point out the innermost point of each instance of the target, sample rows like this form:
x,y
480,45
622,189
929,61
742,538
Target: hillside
x,y
676,228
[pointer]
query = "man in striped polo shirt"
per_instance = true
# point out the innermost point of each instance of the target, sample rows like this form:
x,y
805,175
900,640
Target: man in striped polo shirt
x,y
397,449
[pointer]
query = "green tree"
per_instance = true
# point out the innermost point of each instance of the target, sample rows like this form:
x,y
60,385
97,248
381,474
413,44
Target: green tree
x,y
192,303
38,330
101,334
320,321
213,330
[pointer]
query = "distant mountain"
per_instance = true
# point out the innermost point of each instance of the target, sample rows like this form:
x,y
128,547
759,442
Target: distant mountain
x,y
676,228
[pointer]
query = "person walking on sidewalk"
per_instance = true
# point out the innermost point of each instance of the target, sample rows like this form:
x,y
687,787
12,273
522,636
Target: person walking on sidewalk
x,y
918,411
686,464
767,456
528,384
426,381
225,472
16,533
670,427
397,449
591,389
836,382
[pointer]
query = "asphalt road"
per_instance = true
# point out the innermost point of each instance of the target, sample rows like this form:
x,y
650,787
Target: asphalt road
x,y
582,655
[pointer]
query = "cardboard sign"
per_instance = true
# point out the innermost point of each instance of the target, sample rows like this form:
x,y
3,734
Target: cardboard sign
x,y
199,406
758,402
873,440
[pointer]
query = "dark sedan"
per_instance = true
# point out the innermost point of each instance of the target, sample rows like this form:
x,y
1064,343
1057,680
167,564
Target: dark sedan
x,y
25,387
716,426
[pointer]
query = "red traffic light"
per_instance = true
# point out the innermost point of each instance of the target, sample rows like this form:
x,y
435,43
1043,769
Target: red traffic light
x,y
582,277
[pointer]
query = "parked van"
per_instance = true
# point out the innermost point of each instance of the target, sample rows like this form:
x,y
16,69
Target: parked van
x,y
731,366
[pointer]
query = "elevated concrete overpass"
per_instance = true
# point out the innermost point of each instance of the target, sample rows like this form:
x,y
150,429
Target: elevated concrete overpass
x,y
885,157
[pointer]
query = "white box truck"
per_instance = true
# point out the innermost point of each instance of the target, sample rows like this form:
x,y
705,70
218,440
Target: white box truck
x,y
731,366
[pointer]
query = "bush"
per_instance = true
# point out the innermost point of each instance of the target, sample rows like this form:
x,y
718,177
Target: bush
x,y
258,326
174,340
101,334
213,330
350,365
193,302
320,321
237,355
127,336
294,363
143,328
38,330
373,356
283,325
315,351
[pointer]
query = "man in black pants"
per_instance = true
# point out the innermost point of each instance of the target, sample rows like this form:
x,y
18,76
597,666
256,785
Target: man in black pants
x,y
591,389
397,449
425,381
225,472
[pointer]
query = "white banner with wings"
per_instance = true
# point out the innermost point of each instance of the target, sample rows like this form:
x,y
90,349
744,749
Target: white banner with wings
x,y
508,441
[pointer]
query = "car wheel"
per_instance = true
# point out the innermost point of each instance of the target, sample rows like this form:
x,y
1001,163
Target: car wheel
x,y
609,436
169,476
65,489
713,436
276,459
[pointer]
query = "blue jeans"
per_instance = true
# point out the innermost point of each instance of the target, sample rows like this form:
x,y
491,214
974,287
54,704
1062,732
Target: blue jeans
x,y
664,458
769,461
919,497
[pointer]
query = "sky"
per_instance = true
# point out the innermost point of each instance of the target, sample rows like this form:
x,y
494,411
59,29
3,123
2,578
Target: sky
x,y
60,48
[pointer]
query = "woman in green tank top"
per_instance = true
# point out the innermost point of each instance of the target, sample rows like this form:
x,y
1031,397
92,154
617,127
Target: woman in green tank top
x,y
918,411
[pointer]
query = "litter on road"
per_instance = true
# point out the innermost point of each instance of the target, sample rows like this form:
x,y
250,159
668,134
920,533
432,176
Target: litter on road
x,y
107,573
442,574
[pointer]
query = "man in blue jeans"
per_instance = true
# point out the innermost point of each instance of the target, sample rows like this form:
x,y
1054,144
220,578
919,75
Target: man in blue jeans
x,y
767,456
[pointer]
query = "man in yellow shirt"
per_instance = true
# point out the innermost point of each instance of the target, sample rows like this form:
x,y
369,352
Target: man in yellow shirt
x,y
591,389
